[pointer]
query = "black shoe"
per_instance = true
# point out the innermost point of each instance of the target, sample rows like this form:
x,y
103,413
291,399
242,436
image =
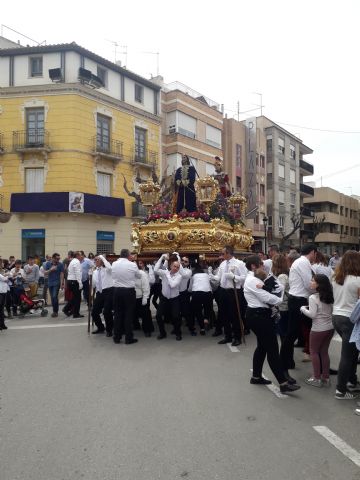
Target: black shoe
x,y
131,341
116,339
147,334
202,332
289,388
289,379
236,342
224,341
3,327
217,333
178,338
99,330
333,372
259,381
161,336
66,312
78,316
109,334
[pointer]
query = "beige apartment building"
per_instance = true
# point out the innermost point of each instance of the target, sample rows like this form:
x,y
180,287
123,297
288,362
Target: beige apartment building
x,y
266,163
191,124
335,225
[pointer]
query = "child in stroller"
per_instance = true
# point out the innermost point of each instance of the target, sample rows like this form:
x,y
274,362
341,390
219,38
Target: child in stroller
x,y
28,305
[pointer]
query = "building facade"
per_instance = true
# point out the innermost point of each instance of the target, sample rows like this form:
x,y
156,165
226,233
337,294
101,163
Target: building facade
x,y
335,225
265,162
192,124
73,126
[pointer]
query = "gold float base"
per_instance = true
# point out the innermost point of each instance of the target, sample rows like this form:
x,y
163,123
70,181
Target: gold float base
x,y
187,235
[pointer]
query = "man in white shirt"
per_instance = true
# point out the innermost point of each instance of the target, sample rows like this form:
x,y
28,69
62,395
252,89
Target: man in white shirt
x,y
103,283
185,312
258,314
300,277
232,272
169,300
273,250
124,274
74,284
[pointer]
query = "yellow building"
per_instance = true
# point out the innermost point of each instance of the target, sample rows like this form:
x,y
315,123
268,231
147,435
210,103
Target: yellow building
x,y
72,126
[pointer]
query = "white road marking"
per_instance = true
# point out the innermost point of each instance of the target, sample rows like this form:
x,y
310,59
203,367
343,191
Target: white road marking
x,y
338,443
28,327
273,388
233,349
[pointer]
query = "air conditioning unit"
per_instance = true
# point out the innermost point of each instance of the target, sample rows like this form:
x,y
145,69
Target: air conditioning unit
x,y
172,128
55,75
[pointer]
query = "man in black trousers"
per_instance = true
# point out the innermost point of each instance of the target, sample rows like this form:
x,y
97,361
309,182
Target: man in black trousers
x,y
124,273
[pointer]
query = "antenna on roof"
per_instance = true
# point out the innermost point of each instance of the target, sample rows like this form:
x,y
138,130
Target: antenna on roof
x,y
123,52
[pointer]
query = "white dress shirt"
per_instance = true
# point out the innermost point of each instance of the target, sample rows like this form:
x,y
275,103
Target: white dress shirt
x,y
300,277
229,271
320,269
142,286
200,282
186,275
3,284
257,297
74,271
267,265
102,277
124,273
170,283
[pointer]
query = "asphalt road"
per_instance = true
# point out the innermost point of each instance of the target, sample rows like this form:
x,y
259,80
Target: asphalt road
x,y
75,406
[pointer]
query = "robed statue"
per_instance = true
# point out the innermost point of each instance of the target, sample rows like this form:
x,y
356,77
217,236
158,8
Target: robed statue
x,y
185,196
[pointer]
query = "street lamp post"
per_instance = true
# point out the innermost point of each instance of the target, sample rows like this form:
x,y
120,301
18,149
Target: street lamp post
x,y
265,222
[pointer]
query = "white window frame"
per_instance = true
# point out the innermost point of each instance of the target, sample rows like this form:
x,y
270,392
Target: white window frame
x,y
282,202
282,168
292,195
34,180
281,145
104,184
281,221
181,126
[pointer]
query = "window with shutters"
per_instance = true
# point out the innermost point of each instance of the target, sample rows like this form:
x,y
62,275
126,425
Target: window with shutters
x,y
139,93
140,144
292,176
34,180
213,136
35,127
104,181
281,146
186,125
104,247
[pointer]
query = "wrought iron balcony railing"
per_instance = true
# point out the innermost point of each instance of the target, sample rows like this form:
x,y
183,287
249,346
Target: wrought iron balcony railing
x,y
31,138
145,157
112,148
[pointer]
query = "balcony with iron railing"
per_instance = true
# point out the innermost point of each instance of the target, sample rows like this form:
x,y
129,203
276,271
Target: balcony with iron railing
x,y
110,149
306,168
32,139
144,158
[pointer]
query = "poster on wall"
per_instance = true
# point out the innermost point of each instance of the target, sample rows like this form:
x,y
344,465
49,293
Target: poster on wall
x,y
76,202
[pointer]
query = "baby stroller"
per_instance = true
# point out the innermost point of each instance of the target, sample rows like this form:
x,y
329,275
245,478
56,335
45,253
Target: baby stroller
x,y
27,305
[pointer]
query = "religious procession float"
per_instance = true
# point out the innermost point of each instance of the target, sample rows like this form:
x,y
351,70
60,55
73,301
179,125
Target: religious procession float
x,y
190,215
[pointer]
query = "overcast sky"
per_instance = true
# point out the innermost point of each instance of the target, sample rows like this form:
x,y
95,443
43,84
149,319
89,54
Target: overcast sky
x,y
301,55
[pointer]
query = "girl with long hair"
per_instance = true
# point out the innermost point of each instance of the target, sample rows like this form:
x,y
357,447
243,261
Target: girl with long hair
x,y
320,311
346,286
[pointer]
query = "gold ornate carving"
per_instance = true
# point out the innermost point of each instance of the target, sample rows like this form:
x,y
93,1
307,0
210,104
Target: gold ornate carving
x,y
206,191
